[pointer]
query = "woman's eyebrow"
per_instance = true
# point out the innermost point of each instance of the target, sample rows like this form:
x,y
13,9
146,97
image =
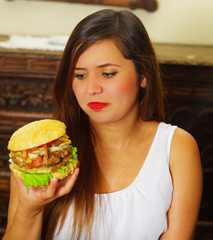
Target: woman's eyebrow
x,y
100,66
77,68
108,65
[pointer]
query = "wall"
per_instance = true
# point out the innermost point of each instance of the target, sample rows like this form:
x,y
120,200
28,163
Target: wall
x,y
175,21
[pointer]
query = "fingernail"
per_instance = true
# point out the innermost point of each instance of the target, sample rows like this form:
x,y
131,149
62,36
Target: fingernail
x,y
54,180
77,172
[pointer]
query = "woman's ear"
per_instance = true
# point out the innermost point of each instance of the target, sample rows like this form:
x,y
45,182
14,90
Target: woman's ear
x,y
143,82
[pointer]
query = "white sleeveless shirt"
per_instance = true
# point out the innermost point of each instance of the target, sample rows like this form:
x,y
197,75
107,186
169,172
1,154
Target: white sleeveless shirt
x,y
138,212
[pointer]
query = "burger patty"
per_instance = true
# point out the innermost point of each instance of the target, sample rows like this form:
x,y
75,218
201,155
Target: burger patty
x,y
53,158
45,168
56,156
64,162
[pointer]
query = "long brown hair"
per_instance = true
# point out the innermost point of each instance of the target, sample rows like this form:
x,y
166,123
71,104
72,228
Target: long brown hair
x,y
130,36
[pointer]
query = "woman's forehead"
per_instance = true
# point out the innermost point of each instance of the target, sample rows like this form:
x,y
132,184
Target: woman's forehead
x,y
101,52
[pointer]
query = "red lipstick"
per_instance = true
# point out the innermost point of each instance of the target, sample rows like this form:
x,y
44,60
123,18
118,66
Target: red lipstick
x,y
97,106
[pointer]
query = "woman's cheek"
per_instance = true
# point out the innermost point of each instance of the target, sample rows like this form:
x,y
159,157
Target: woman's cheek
x,y
124,88
78,90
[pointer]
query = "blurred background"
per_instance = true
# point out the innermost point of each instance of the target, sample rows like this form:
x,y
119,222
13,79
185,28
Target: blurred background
x,y
182,22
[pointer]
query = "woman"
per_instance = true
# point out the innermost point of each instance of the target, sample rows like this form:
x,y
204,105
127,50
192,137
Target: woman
x,y
140,178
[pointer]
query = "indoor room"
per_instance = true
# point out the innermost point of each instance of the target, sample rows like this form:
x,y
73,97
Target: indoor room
x,y
33,37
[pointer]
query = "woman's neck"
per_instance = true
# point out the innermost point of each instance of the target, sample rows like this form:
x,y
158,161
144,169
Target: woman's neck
x,y
116,135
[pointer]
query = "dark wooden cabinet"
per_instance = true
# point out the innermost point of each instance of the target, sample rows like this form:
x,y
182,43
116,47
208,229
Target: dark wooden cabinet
x,y
26,79
189,105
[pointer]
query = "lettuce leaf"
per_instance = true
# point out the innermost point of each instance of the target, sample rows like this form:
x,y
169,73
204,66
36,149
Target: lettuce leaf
x,y
35,179
74,152
72,160
63,169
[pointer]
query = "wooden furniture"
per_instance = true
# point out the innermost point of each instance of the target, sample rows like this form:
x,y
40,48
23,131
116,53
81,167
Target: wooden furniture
x,y
26,79
25,95
149,5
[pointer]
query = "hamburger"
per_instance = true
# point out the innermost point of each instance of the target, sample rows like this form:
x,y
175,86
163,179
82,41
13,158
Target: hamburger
x,y
42,150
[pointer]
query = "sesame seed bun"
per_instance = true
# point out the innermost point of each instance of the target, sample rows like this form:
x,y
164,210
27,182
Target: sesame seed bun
x,y
33,135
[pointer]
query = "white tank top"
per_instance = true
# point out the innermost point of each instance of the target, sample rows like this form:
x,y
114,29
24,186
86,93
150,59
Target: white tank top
x,y
138,212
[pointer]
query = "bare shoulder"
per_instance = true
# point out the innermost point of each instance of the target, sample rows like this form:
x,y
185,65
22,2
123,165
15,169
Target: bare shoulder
x,y
182,137
184,147
185,156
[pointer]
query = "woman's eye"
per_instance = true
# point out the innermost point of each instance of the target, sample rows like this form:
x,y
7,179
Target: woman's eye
x,y
109,74
80,76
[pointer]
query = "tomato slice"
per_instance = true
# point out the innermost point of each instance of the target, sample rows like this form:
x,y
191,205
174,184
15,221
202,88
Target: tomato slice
x,y
38,161
50,143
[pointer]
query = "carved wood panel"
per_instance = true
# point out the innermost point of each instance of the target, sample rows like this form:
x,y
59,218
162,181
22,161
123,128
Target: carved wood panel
x,y
25,90
25,95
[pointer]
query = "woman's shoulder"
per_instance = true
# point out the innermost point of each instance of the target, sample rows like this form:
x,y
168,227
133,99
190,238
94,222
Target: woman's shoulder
x,y
183,141
181,138
184,151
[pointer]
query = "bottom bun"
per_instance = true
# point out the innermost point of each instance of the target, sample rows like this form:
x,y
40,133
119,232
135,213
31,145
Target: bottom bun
x,y
16,172
39,180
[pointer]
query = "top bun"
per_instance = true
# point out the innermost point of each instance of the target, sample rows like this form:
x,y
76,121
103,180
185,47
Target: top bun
x,y
35,134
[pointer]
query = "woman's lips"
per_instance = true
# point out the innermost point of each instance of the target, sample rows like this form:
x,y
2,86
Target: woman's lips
x,y
97,106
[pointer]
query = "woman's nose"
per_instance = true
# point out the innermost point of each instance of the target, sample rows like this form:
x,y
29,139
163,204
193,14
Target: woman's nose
x,y
94,86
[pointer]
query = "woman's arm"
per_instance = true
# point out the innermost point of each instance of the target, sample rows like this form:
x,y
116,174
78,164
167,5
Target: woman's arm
x,y
25,211
186,171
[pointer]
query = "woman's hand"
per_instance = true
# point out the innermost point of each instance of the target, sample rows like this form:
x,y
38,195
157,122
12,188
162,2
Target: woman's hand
x,y
25,213
43,195
37,198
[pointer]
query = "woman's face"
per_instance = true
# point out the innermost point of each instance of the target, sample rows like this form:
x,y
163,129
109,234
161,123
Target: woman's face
x,y
105,83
